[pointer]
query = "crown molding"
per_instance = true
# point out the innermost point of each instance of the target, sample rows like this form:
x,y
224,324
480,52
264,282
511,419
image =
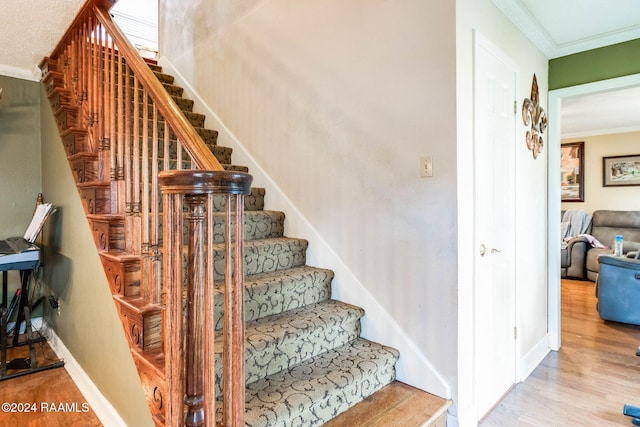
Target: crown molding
x,y
21,73
529,25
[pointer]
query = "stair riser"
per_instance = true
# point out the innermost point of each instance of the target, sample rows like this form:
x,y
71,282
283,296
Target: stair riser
x,y
59,98
75,142
96,199
123,276
261,225
66,118
143,330
108,234
276,356
53,80
265,259
196,120
155,387
266,296
85,167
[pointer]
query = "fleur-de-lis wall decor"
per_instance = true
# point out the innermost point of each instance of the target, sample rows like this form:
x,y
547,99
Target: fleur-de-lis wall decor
x,y
533,114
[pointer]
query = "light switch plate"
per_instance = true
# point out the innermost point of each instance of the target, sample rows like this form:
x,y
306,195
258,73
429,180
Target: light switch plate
x,y
426,167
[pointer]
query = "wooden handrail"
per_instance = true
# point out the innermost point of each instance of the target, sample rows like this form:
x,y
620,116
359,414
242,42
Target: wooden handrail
x,y
166,105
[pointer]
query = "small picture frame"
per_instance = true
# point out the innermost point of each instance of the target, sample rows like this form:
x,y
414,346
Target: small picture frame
x,y
571,172
621,171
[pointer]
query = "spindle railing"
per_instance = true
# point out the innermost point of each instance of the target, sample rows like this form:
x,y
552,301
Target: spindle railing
x,y
110,107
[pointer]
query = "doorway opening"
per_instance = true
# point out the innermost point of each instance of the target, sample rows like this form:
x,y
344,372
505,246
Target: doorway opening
x,y
555,138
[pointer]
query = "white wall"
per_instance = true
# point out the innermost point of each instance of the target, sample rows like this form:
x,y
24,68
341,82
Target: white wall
x,y
531,194
337,101
595,195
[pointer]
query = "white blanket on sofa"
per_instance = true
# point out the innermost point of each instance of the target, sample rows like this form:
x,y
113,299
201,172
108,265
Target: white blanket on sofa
x,y
575,223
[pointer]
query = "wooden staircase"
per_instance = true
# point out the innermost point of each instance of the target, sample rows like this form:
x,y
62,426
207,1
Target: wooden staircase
x,y
178,228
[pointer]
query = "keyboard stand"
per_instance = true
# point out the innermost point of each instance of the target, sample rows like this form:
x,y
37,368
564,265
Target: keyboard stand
x,y
27,365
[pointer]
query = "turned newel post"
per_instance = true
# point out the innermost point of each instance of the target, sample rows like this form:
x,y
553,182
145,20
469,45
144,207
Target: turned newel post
x,y
189,348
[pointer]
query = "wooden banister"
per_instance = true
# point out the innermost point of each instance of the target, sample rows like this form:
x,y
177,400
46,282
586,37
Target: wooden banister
x,y
148,163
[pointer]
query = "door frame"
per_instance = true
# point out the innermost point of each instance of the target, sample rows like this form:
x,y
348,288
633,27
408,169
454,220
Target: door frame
x,y
553,255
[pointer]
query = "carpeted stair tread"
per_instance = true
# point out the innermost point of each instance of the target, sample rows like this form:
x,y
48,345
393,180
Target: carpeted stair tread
x,y
235,168
183,103
173,89
258,225
209,136
272,293
281,341
164,78
265,255
313,392
196,119
252,202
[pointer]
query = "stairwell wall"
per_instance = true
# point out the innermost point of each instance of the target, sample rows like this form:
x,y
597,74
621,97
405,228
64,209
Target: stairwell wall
x,y
336,101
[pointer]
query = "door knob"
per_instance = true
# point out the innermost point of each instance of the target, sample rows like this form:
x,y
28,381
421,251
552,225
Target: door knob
x,y
484,249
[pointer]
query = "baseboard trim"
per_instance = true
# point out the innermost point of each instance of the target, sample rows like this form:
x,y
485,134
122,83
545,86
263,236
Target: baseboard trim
x,y
103,409
532,359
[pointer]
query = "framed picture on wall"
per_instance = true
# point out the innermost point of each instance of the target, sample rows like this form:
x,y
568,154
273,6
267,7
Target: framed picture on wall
x,y
571,172
621,171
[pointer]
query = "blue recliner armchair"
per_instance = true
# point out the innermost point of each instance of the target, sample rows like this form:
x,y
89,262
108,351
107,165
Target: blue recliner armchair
x,y
618,288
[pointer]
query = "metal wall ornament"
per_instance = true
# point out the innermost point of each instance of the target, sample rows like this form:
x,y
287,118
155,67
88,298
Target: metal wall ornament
x,y
533,114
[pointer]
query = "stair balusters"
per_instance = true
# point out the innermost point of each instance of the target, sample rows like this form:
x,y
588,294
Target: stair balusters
x,y
121,128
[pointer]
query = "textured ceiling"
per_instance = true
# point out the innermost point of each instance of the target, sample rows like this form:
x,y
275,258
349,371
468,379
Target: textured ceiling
x,y
29,31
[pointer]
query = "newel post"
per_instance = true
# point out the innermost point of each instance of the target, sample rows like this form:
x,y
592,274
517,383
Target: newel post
x,y
189,338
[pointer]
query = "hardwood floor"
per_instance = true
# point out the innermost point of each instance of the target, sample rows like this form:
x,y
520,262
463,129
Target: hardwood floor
x,y
588,381
396,405
43,399
585,384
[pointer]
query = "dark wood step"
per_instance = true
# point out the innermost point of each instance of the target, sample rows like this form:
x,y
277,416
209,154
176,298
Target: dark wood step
x,y
123,273
142,322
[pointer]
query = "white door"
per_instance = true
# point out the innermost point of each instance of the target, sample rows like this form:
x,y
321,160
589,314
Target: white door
x,y
494,287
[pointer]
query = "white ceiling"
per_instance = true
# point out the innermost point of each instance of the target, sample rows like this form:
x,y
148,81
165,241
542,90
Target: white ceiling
x,y
560,28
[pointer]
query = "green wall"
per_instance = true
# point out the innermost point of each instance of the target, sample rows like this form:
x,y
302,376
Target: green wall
x,y
608,62
20,176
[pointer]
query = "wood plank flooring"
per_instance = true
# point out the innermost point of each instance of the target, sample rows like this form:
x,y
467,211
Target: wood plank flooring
x,y
585,384
588,381
43,399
